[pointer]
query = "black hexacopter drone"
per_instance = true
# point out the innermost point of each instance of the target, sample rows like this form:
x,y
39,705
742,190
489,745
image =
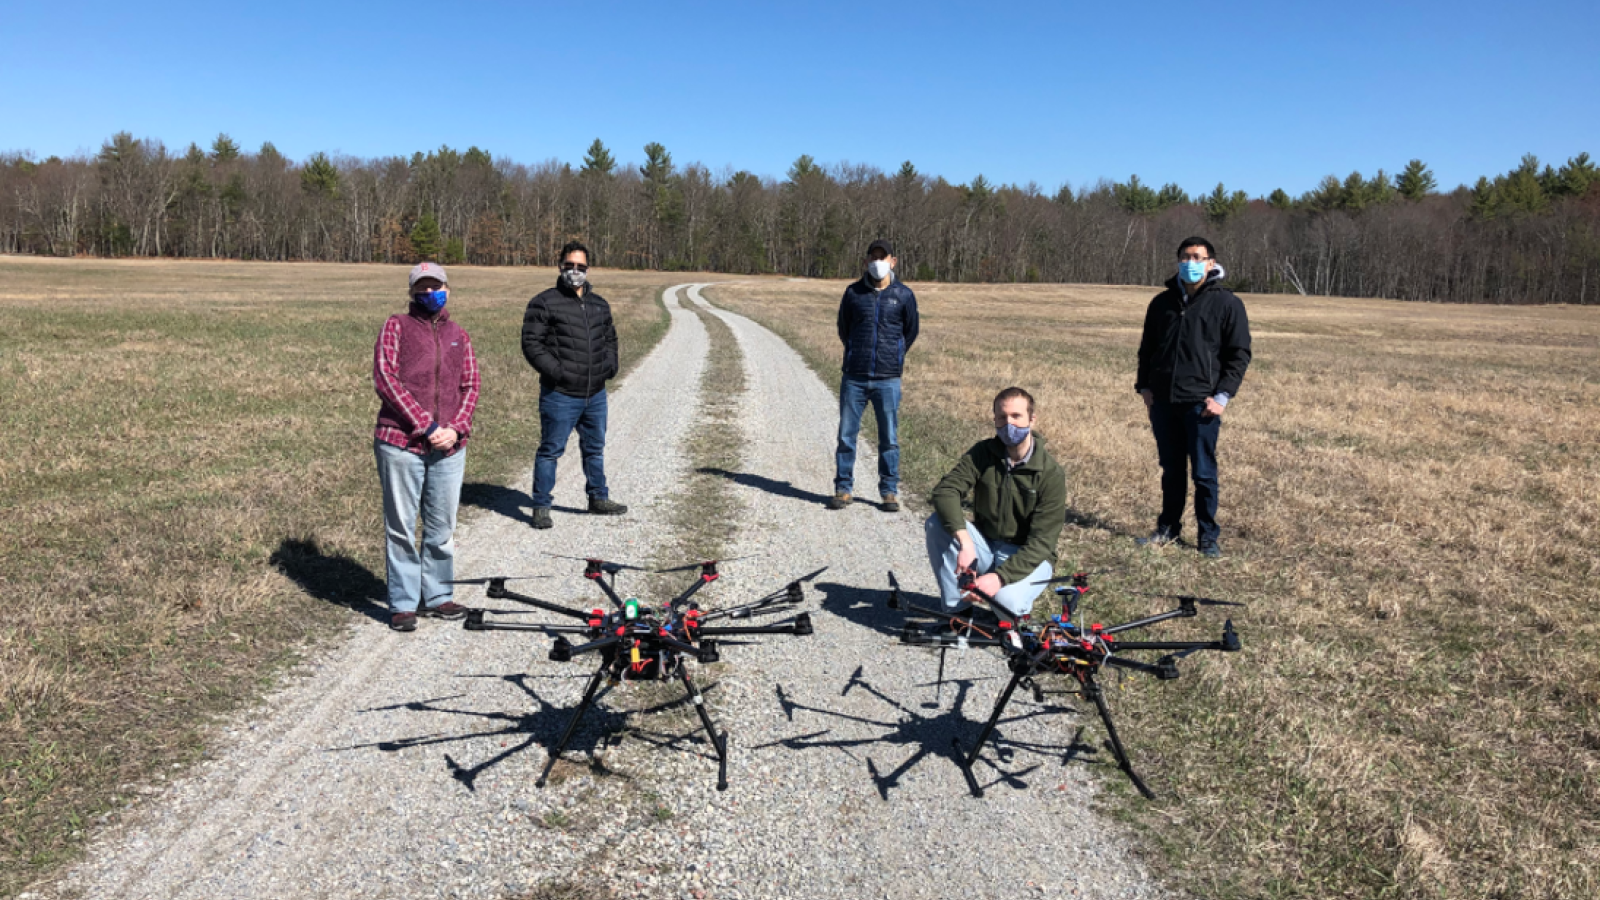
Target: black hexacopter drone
x,y
637,642
1059,645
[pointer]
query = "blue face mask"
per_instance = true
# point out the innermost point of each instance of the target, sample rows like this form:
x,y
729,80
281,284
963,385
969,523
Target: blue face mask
x,y
1191,271
432,301
1012,435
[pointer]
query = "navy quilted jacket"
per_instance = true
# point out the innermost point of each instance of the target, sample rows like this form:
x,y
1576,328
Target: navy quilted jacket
x,y
877,328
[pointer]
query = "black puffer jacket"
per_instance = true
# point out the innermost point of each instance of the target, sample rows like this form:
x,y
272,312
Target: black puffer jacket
x,y
570,341
1196,349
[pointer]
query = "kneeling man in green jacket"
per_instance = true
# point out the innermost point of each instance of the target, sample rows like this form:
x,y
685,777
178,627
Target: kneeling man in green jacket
x,y
1019,503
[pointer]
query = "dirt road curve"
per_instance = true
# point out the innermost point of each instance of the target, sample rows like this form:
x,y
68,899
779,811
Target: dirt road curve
x,y
403,765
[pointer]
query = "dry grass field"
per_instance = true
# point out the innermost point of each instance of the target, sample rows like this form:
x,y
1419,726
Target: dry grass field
x,y
190,496
1410,496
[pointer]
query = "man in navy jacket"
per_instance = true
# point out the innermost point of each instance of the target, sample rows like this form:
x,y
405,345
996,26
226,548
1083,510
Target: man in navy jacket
x,y
1192,359
877,325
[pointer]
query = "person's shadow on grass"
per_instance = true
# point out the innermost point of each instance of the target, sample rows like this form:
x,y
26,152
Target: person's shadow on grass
x,y
332,578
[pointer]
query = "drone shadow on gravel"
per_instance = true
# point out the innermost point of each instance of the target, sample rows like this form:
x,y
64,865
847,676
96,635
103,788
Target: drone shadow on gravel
x,y
602,727
931,735
865,606
331,577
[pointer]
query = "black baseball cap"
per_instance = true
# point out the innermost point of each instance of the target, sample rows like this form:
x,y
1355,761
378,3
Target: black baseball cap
x,y
880,244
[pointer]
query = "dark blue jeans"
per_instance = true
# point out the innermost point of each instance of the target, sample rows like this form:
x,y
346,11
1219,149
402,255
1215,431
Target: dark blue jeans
x,y
558,415
854,395
1186,437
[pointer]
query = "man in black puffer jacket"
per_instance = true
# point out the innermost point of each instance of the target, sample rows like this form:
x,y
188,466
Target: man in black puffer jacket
x,y
1192,359
877,325
570,340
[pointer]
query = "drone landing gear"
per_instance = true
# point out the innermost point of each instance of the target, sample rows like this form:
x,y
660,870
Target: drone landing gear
x,y
964,759
718,740
572,726
1091,689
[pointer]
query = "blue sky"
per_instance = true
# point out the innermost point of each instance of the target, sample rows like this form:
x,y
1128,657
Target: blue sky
x,y
1256,95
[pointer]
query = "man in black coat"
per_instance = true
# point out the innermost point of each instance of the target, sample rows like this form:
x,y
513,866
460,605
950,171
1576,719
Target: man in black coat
x,y
1192,359
877,325
569,339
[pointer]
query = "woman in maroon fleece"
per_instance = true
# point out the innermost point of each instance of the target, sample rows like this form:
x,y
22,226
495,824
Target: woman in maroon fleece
x,y
427,377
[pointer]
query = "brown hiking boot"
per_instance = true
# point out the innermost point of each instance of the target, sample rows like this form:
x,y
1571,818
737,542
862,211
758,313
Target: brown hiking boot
x,y
840,501
891,503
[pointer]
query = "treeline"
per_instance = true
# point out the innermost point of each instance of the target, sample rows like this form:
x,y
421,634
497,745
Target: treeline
x,y
1530,235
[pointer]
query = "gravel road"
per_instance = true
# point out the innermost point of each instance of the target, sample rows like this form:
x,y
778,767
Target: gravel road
x,y
403,765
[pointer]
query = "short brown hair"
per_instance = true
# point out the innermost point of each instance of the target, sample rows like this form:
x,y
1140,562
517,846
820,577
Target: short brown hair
x,y
1012,393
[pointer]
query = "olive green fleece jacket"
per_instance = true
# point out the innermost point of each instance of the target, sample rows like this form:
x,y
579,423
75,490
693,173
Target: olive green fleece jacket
x,y
1025,506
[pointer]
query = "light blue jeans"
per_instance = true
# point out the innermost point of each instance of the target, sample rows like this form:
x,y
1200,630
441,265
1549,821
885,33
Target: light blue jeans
x,y
1017,597
430,486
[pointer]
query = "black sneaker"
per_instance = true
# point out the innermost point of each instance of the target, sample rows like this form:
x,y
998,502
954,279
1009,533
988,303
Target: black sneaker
x,y
403,621
1210,550
605,507
446,610
1158,538
541,517
840,500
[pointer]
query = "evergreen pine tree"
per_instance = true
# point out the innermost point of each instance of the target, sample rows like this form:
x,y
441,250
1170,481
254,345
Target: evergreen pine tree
x,y
425,239
598,161
1416,181
319,178
224,148
1281,200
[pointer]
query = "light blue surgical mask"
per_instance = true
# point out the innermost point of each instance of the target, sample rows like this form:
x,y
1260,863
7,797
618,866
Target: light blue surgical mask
x,y
432,301
1012,435
1191,271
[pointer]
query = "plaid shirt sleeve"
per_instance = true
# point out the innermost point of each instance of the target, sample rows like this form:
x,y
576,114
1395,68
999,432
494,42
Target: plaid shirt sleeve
x,y
470,381
386,378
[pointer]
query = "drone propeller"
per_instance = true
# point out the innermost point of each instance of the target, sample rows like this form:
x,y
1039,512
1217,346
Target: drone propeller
x,y
1186,598
491,578
709,562
610,568
1074,576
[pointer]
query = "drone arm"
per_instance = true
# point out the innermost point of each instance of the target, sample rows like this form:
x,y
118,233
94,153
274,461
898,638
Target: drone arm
x,y
1121,646
1164,672
801,626
948,640
611,594
478,624
1183,612
607,641
690,592
539,604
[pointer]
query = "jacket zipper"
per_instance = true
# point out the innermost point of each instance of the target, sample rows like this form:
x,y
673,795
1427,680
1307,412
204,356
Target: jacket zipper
x,y
438,366
588,337
872,360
